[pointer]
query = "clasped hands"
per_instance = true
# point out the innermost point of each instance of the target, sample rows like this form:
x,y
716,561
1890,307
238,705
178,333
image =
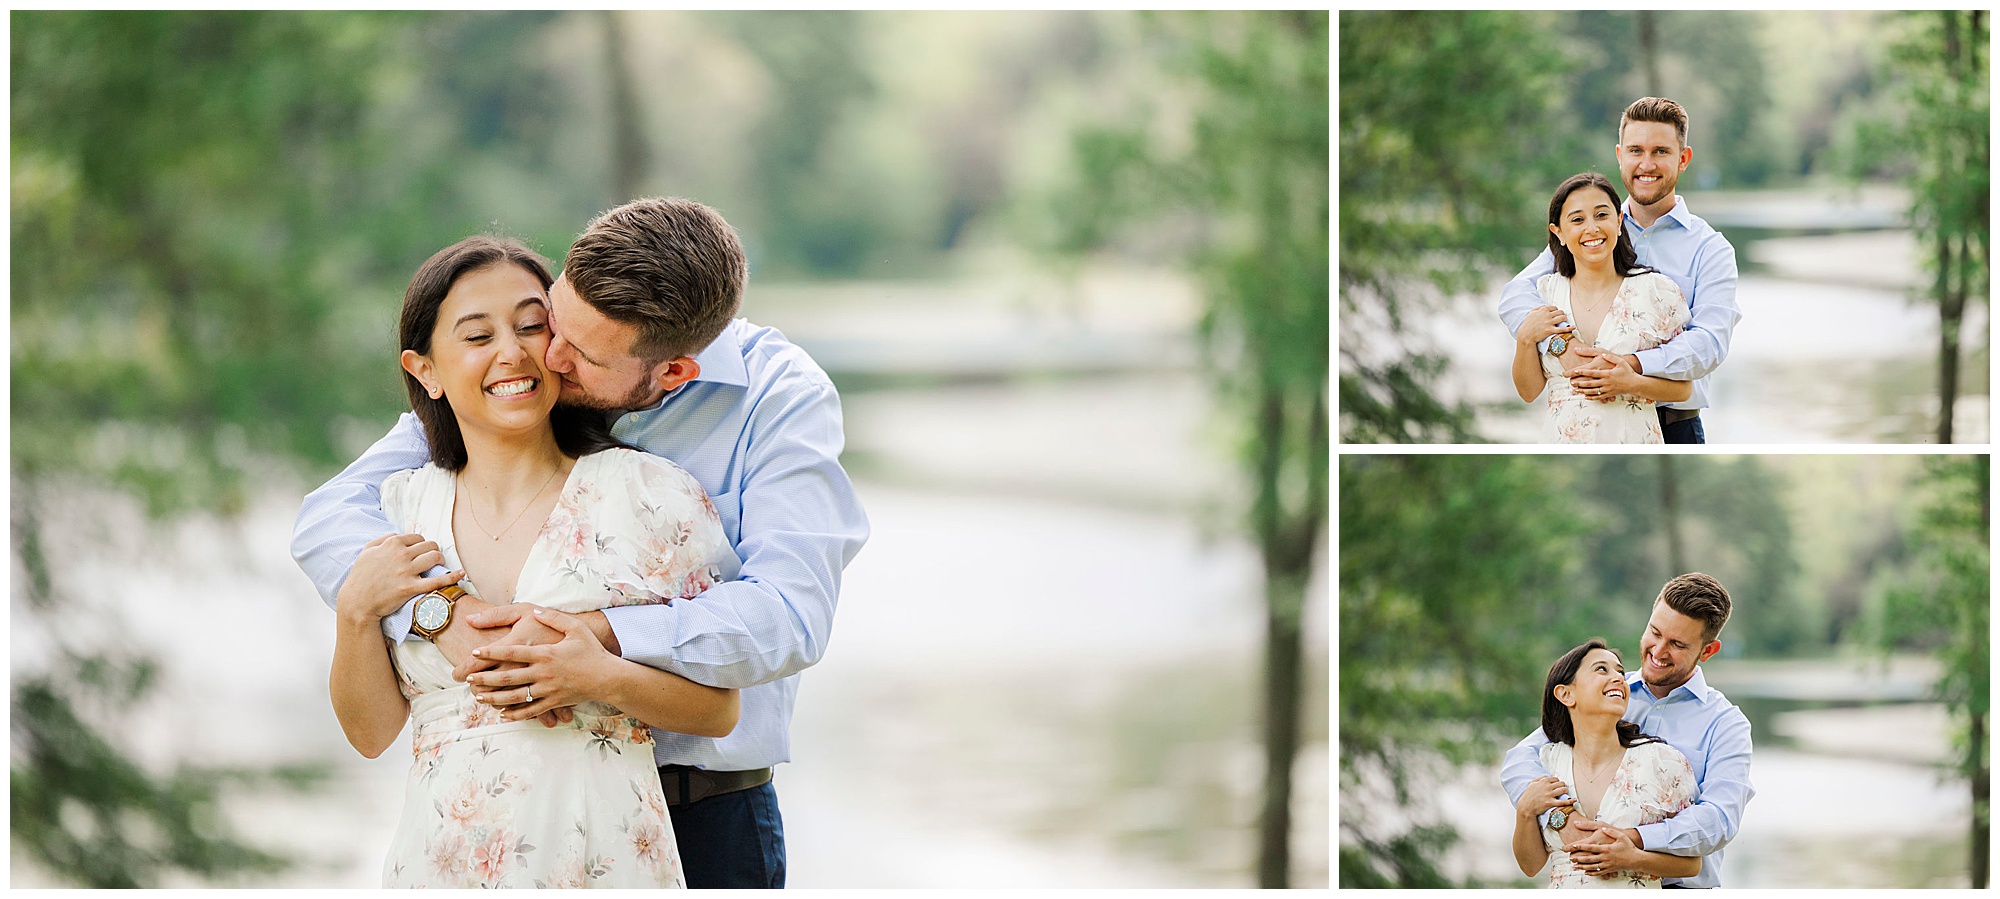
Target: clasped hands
x,y
1604,376
1599,849
527,661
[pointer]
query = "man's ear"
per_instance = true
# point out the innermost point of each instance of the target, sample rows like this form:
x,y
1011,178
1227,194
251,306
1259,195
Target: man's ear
x,y
1687,156
420,368
1713,647
675,372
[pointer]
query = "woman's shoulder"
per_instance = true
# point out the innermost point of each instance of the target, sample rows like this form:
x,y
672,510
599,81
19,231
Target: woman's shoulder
x,y
640,472
404,490
1655,283
1547,283
413,482
1659,751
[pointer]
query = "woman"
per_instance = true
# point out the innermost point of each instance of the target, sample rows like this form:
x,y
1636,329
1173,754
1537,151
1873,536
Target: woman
x,y
495,799
1599,296
1614,773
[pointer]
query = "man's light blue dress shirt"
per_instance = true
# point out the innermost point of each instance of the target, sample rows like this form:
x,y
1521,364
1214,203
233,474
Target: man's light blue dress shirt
x,y
760,429
1715,737
1701,262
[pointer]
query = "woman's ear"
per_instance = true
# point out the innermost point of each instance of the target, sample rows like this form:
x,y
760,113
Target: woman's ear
x,y
1566,695
419,367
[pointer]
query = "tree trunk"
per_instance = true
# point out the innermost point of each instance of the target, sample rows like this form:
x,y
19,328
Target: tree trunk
x,y
1982,830
1283,668
1982,770
628,142
1288,549
1670,507
1949,314
1649,51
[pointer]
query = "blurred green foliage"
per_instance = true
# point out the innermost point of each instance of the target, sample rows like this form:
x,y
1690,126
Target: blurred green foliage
x,y
1944,607
1450,138
1455,572
1938,137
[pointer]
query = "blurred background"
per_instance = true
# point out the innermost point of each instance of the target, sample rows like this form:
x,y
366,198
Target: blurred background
x,y
1857,646
1845,155
1068,270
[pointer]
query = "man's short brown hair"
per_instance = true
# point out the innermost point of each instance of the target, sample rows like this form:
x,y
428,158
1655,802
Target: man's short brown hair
x,y
1655,109
1699,596
669,266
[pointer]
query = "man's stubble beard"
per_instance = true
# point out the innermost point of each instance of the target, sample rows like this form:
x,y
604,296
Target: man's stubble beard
x,y
639,397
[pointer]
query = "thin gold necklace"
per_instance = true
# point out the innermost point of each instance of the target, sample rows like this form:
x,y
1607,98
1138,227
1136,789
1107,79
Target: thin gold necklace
x,y
1607,766
470,510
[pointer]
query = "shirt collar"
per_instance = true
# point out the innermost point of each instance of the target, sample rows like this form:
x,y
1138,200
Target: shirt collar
x,y
1679,213
721,363
1696,686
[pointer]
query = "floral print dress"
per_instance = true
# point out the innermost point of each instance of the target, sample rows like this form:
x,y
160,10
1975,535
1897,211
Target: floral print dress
x,y
1653,783
492,803
1647,311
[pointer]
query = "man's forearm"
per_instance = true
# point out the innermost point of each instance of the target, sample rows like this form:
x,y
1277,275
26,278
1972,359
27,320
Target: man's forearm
x,y
601,626
1661,864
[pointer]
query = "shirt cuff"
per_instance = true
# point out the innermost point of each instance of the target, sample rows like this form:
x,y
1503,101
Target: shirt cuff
x,y
627,634
1650,361
397,626
1652,835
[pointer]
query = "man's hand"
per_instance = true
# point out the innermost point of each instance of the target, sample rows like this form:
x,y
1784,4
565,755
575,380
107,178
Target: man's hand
x,y
552,677
388,573
1606,851
1604,376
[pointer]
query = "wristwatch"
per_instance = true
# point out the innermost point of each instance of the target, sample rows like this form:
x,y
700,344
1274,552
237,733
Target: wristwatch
x,y
1558,817
434,610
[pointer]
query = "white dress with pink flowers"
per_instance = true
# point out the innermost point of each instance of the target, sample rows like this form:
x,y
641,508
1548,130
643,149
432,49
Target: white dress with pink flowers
x,y
491,803
1652,784
1647,311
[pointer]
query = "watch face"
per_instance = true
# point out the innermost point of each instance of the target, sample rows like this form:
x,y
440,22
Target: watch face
x,y
432,612
1557,344
1557,819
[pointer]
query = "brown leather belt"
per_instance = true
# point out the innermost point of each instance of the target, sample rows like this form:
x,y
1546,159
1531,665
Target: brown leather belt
x,y
686,785
1676,416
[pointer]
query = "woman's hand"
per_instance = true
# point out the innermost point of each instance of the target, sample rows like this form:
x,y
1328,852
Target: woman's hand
x,y
387,574
1541,322
1543,793
556,675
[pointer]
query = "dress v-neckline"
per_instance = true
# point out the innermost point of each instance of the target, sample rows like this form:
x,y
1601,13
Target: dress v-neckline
x,y
1617,771
535,549
1569,307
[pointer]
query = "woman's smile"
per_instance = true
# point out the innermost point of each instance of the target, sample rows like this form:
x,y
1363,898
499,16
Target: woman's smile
x,y
513,388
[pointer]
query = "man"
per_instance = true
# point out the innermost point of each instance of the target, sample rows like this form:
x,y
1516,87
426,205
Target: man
x,y
1652,153
1679,707
644,327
